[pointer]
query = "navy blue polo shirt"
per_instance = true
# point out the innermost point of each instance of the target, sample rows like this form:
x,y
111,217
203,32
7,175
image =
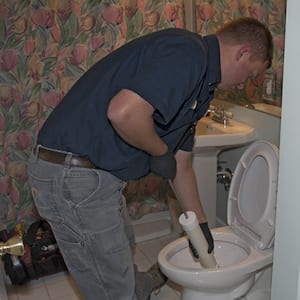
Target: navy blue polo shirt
x,y
175,70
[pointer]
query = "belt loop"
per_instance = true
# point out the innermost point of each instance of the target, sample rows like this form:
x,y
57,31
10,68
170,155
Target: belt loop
x,y
68,160
35,151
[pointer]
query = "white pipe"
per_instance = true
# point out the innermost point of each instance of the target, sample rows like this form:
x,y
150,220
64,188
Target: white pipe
x,y
191,226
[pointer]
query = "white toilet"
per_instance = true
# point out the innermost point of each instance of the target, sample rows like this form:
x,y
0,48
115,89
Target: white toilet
x,y
244,248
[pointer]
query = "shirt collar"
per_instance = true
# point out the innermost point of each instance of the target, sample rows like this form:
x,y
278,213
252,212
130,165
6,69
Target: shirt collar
x,y
214,66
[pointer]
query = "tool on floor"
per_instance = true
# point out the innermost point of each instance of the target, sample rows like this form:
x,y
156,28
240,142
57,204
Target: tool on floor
x,y
13,246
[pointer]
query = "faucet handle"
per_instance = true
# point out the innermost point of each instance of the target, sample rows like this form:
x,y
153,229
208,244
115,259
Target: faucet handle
x,y
212,109
228,114
222,116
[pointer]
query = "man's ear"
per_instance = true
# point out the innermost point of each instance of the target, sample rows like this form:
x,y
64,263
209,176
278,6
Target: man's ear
x,y
243,51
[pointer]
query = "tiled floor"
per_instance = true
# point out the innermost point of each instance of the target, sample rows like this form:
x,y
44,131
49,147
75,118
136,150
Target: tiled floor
x,y
61,286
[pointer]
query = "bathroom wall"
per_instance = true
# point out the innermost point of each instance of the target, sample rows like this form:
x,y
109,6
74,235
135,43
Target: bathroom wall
x,y
286,268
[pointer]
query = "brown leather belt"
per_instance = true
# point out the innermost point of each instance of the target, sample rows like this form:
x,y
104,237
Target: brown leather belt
x,y
56,157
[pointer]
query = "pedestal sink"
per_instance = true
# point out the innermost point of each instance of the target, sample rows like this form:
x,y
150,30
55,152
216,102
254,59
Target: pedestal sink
x,y
211,138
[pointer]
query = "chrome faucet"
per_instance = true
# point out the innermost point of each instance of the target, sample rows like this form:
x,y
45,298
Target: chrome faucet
x,y
219,115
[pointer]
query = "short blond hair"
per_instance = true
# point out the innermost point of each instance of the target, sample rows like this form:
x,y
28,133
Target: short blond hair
x,y
249,31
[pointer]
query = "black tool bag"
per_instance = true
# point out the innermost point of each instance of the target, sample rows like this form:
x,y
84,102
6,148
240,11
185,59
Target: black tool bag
x,y
42,256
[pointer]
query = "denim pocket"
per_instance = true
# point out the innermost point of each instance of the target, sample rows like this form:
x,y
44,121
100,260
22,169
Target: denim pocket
x,y
79,184
72,247
44,192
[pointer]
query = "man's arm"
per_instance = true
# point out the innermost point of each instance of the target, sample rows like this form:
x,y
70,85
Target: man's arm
x,y
132,117
186,185
186,189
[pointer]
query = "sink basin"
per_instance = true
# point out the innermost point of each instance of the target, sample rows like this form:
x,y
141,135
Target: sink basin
x,y
210,134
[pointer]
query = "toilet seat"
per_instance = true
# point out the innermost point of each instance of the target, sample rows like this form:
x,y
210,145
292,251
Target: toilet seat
x,y
252,195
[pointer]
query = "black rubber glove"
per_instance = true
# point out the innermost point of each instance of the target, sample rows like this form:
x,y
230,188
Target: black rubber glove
x,y
164,165
210,241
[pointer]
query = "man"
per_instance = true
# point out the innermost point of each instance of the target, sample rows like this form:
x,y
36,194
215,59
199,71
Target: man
x,y
131,114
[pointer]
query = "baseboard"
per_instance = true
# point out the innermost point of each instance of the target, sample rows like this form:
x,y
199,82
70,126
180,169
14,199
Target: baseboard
x,y
151,226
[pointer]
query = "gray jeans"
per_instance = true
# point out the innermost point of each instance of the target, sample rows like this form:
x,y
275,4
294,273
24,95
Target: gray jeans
x,y
86,211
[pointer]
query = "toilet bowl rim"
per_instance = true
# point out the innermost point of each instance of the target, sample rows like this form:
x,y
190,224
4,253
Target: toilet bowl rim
x,y
255,260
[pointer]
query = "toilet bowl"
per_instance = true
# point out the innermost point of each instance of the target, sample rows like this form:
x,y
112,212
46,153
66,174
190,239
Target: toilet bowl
x,y
244,248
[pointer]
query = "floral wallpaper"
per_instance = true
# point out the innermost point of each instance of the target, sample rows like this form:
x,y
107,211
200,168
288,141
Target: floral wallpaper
x,y
46,45
210,14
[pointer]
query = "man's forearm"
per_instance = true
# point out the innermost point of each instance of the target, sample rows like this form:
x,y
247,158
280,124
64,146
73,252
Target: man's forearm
x,y
186,186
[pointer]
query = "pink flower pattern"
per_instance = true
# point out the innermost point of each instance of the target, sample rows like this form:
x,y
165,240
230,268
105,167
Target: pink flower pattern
x,y
112,14
78,54
43,17
44,40
9,59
